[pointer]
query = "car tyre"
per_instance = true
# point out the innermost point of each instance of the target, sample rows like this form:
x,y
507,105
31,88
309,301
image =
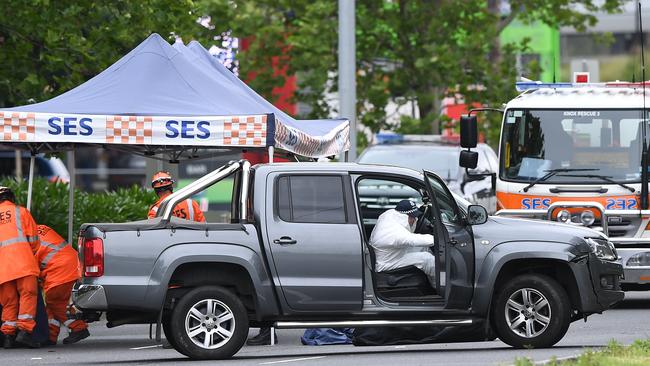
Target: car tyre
x,y
531,311
167,330
208,323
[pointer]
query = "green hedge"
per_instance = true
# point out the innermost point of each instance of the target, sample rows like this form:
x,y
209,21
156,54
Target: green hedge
x,y
50,204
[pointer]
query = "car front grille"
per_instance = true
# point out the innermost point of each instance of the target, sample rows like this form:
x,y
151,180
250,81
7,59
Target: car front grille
x,y
621,226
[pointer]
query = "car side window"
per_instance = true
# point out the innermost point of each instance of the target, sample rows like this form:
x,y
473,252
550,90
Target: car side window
x,y
311,199
449,212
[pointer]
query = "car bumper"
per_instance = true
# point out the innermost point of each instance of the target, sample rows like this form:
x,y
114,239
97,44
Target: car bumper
x,y
599,282
90,297
633,275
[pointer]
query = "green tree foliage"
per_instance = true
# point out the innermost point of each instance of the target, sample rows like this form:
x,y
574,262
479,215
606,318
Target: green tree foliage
x,y
48,47
407,50
50,204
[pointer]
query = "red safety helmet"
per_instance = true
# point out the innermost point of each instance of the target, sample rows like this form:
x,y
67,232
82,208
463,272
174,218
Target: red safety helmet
x,y
161,179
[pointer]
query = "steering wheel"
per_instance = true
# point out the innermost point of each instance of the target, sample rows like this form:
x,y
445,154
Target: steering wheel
x,y
424,225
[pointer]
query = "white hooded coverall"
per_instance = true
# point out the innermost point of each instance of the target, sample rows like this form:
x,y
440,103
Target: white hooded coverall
x,y
396,246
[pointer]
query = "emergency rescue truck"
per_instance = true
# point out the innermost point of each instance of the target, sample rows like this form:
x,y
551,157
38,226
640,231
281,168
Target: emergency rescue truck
x,y
572,153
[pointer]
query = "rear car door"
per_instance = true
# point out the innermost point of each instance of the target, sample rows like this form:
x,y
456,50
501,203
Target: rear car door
x,y
315,241
458,242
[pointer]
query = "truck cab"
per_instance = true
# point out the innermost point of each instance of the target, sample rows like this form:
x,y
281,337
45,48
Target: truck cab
x,y
297,255
572,153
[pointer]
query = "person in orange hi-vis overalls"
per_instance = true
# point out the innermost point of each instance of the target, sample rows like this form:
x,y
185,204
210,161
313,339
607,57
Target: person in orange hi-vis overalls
x,y
162,183
18,271
60,269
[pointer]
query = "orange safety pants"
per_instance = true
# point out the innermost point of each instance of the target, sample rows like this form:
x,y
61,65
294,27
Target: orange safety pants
x,y
56,303
18,299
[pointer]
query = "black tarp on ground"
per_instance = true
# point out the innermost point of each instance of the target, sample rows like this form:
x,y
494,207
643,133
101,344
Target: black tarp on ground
x,y
388,336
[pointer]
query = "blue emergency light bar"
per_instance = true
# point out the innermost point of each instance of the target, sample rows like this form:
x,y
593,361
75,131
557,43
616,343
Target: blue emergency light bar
x,y
396,138
388,138
532,85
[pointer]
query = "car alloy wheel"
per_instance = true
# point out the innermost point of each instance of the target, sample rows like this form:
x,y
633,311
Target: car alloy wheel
x,y
210,324
528,312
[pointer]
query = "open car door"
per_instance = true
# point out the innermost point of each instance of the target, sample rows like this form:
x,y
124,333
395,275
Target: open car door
x,y
457,239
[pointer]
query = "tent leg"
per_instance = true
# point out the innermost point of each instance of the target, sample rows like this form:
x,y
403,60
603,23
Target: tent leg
x,y
19,165
71,186
270,154
30,182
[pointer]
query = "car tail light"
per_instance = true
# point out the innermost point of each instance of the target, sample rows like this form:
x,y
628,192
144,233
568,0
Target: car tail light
x,y
93,257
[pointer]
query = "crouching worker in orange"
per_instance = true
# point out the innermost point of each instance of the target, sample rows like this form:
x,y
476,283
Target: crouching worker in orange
x,y
18,271
163,184
60,269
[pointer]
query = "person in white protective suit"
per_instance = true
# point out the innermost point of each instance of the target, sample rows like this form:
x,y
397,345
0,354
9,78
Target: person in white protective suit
x,y
397,246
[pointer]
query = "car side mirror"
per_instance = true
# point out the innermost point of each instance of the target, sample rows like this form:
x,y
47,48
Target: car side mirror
x,y
468,159
476,215
468,131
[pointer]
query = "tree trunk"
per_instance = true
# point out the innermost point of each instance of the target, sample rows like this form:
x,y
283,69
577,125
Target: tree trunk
x,y
428,103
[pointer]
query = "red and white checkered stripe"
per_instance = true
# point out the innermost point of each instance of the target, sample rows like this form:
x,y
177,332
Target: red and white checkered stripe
x,y
128,130
248,132
17,126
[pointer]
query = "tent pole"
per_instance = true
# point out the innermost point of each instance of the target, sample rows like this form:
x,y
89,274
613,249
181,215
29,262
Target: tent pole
x,y
71,185
347,70
271,154
19,165
30,182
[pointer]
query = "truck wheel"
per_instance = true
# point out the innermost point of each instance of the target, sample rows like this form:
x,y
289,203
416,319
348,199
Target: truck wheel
x,y
531,311
209,323
167,330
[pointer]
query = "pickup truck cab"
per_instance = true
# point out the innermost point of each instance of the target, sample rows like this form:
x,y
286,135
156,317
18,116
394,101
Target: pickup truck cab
x,y
296,255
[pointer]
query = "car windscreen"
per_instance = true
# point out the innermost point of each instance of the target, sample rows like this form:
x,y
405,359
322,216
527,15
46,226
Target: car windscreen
x,y
8,166
442,161
582,142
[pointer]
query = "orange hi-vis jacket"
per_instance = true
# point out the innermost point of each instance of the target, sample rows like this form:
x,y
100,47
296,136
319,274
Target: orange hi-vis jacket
x,y
57,259
18,242
188,210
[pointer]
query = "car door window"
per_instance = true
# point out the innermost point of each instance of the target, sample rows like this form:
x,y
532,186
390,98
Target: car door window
x,y
449,212
311,199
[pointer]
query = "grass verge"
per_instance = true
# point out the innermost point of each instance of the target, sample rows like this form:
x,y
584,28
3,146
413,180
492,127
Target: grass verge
x,y
615,354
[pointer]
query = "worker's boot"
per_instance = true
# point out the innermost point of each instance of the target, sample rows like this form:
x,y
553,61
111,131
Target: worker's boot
x,y
26,339
262,339
10,341
75,337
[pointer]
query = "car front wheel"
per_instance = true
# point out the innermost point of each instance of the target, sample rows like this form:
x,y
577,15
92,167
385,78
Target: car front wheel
x,y
531,311
209,323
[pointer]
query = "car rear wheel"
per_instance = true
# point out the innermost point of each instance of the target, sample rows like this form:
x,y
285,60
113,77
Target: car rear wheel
x,y
208,323
531,311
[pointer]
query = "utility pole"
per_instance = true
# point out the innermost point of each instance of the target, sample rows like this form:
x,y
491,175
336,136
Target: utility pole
x,y
347,71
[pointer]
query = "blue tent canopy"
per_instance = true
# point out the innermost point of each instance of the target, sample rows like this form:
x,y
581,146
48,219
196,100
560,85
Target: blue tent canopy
x,y
174,96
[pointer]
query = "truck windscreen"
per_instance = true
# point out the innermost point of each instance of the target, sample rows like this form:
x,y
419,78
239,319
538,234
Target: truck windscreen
x,y
536,141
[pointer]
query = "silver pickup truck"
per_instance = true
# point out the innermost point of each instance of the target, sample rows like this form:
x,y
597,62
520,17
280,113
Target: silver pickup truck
x,y
296,255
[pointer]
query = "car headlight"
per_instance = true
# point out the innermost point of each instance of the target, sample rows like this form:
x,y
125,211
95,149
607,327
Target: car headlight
x,y
603,249
639,260
564,216
587,218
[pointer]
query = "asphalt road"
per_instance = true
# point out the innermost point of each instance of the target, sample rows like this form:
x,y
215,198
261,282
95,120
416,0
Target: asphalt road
x,y
129,345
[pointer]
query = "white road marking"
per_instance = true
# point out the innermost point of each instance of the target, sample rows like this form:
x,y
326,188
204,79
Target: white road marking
x,y
292,360
37,358
145,347
399,347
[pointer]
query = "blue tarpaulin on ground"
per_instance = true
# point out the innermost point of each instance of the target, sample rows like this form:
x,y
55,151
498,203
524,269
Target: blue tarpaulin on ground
x,y
326,336
156,80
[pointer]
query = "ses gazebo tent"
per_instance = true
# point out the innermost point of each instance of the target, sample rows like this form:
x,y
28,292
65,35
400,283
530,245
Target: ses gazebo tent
x,y
158,99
